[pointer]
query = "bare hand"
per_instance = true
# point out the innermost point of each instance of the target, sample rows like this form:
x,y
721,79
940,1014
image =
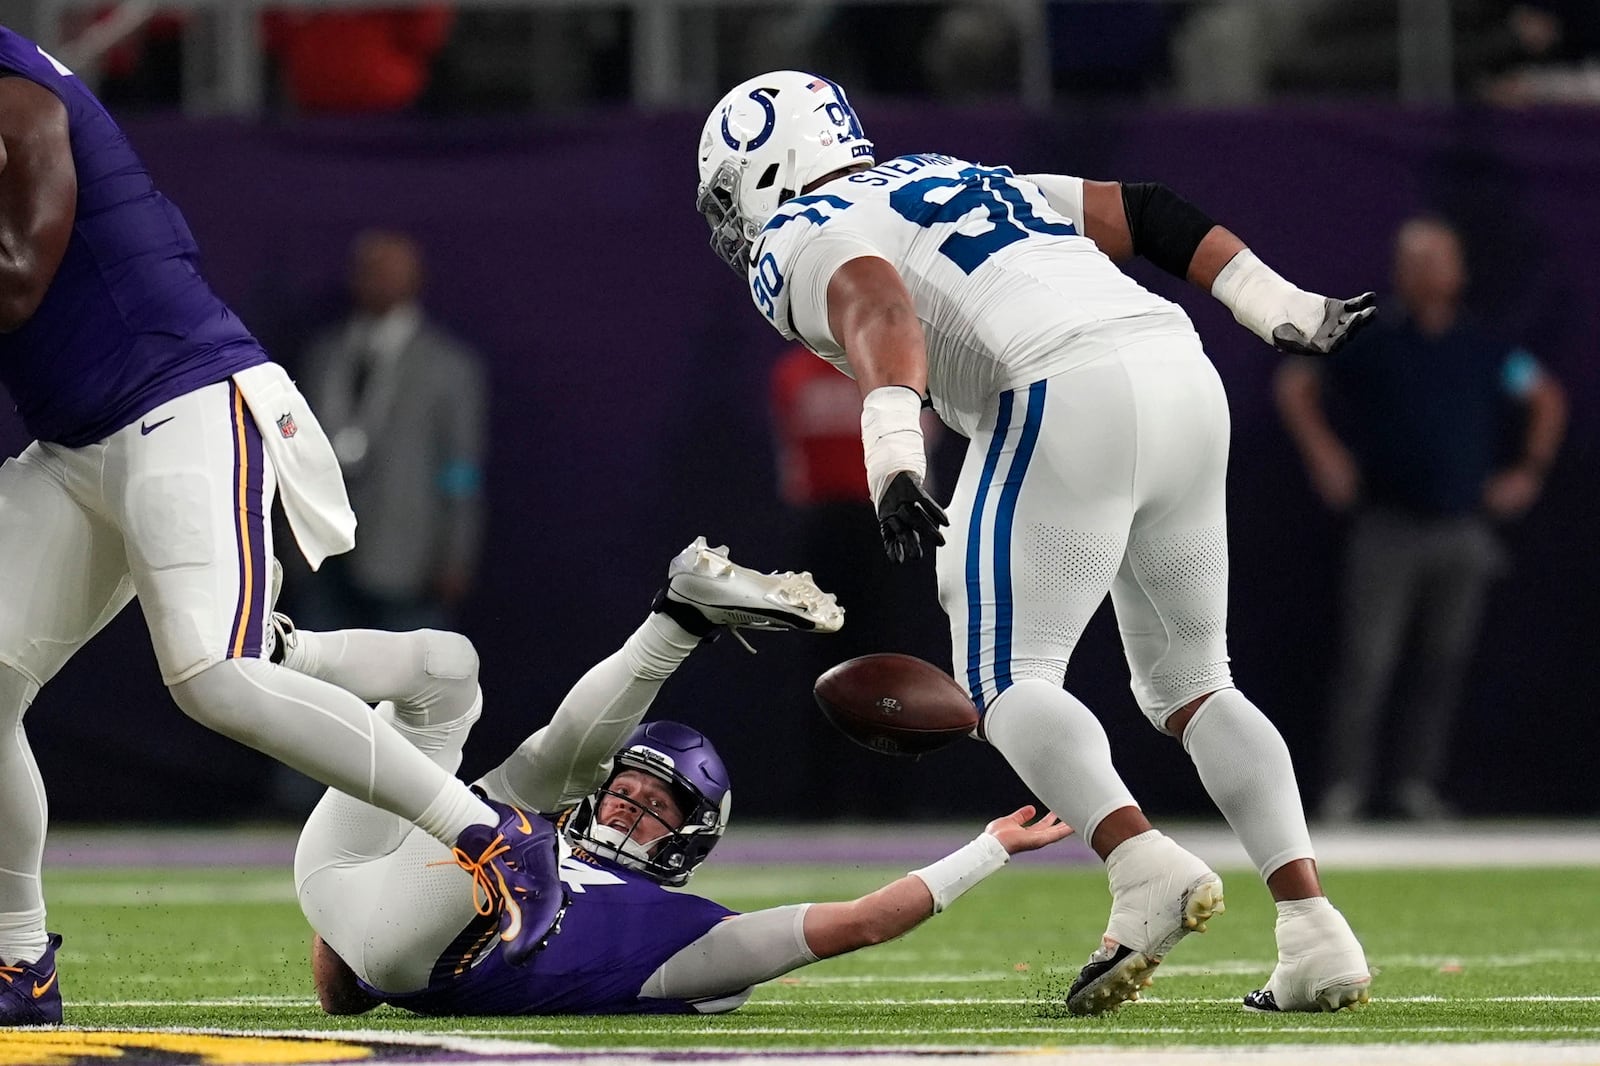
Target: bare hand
x,y
1510,493
1016,836
1335,476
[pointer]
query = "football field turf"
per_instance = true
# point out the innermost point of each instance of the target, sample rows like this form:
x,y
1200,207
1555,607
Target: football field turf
x,y
1464,955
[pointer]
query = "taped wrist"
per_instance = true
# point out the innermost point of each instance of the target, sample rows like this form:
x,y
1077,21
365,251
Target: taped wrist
x,y
1166,228
958,871
891,436
1262,300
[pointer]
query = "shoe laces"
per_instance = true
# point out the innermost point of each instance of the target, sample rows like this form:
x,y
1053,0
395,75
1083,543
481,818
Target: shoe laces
x,y
7,971
488,884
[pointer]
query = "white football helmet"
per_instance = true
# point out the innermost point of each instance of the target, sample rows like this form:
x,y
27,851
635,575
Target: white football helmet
x,y
764,142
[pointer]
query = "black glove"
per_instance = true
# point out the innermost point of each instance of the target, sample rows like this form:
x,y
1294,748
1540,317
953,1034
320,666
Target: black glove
x,y
1340,321
907,516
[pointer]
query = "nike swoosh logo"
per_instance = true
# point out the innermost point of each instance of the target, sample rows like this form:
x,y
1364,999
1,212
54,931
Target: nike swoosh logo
x,y
39,990
513,927
522,822
145,429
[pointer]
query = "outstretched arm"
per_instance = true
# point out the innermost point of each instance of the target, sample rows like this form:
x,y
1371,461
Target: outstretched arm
x,y
747,949
1148,219
38,196
900,906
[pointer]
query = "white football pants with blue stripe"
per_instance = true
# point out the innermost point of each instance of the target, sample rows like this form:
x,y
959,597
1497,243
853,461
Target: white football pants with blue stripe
x,y
1104,478
1108,477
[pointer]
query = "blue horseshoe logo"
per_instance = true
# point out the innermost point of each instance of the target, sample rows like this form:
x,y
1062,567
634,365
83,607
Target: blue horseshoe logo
x,y
769,124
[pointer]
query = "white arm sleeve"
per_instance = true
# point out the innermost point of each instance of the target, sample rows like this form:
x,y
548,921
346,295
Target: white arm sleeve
x,y
814,266
1064,194
735,954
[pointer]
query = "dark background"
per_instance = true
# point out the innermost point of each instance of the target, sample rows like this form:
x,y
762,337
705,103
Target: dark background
x,y
629,414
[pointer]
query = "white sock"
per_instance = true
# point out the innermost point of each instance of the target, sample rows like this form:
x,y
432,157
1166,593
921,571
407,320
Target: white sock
x,y
1245,767
570,757
1299,908
1059,749
330,735
23,813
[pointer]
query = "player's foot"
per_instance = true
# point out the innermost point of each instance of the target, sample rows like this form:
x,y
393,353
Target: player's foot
x,y
1321,966
280,627
706,590
1160,893
515,868
29,992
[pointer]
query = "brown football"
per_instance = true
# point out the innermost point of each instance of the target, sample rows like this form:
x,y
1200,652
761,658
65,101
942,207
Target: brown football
x,y
895,704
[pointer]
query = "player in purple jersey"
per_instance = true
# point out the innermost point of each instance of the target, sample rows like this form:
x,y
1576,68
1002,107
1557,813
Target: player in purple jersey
x,y
162,435
638,807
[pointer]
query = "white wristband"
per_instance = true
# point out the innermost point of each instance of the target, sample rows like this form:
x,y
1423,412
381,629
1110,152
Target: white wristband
x,y
962,868
1261,300
891,435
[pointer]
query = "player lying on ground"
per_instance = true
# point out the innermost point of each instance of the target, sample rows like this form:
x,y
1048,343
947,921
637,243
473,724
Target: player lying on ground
x,y
630,809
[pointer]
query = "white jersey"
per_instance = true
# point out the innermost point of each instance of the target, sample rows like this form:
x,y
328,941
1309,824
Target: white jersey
x,y
1003,283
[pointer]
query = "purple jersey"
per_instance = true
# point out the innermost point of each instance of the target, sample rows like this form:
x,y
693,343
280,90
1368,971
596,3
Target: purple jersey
x,y
619,927
128,323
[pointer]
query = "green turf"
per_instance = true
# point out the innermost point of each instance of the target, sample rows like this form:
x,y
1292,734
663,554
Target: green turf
x,y
1463,955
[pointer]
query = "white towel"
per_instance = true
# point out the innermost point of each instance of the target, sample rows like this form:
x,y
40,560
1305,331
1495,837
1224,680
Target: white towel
x,y
309,481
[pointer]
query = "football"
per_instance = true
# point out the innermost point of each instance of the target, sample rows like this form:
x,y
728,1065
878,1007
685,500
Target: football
x,y
895,704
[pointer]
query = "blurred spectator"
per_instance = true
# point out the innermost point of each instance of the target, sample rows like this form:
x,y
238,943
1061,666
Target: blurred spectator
x,y
404,404
1421,401
1561,39
833,532
372,59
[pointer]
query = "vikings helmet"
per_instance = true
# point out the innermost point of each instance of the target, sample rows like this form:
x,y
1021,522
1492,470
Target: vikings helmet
x,y
692,769
764,142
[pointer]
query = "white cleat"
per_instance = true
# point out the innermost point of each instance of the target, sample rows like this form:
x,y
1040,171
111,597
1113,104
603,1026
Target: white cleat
x,y
724,593
1321,966
1160,893
281,638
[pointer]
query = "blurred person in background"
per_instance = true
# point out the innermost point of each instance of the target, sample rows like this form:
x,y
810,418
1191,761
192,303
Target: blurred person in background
x,y
405,404
1421,406
816,417
1096,463
162,435
366,60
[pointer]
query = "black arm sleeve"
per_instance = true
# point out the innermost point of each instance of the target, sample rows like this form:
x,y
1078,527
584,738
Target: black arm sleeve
x,y
1166,228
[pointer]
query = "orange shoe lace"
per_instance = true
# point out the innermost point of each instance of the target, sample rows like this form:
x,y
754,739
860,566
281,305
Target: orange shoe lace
x,y
483,885
7,971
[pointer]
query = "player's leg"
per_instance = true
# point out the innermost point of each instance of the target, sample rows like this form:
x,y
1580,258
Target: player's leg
x,y
1020,575
65,576
1019,587
1455,590
705,593
192,500
429,676
1171,601
1379,590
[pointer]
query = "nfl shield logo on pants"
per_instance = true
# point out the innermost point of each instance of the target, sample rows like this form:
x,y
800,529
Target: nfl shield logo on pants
x,y
286,425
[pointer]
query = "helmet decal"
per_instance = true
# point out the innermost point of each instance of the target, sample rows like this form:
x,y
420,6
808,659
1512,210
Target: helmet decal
x,y
768,124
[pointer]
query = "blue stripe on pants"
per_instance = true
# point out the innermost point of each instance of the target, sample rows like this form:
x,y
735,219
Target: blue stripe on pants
x,y
1005,516
997,444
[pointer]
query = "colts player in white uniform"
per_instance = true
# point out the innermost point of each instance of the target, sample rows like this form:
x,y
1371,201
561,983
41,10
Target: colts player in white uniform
x,y
1099,445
